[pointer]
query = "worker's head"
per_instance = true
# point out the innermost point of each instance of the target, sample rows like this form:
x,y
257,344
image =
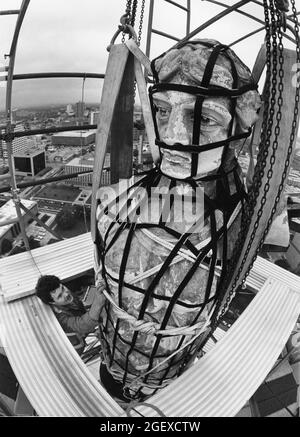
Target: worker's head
x,y
52,291
203,95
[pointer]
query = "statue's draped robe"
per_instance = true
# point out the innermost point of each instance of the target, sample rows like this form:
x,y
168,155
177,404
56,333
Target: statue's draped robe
x,y
127,252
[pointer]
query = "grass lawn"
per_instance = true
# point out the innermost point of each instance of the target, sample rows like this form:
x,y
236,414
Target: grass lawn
x,y
59,192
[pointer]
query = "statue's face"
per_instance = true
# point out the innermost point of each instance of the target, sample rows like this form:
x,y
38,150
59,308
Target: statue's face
x,y
175,117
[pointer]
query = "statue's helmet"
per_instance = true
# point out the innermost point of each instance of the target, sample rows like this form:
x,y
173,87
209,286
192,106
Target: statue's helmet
x,y
204,102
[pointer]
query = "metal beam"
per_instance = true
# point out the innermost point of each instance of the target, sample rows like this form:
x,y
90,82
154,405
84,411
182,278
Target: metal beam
x,y
177,5
214,20
57,75
246,14
260,29
12,57
48,180
188,18
27,133
166,35
10,12
149,31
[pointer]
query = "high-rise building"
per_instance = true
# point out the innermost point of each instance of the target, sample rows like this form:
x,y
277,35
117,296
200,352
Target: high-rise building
x,y
19,145
80,109
3,150
70,110
29,163
94,117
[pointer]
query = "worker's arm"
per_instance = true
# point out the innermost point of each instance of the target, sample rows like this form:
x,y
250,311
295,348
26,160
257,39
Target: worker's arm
x,y
87,322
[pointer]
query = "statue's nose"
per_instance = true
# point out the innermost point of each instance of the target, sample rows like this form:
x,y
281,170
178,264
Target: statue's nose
x,y
177,131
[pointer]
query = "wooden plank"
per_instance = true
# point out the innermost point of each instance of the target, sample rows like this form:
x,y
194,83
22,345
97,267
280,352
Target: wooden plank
x,y
121,155
112,83
141,84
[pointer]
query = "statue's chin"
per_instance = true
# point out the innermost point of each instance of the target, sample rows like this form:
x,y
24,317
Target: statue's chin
x,y
175,170
182,169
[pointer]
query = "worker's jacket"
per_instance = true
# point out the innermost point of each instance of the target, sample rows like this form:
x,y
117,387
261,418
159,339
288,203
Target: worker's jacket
x,y
76,322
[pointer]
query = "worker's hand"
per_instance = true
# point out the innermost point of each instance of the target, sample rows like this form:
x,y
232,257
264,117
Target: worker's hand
x,y
97,305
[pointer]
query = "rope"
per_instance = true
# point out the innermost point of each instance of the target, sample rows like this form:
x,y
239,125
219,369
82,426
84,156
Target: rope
x,y
147,327
138,379
133,405
182,253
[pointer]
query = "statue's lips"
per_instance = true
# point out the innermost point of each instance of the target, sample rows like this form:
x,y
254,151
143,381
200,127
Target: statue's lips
x,y
177,158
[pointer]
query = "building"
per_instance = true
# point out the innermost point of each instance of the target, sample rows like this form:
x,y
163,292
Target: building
x,y
77,165
86,163
22,143
63,155
94,117
79,109
74,138
8,212
3,149
70,110
30,162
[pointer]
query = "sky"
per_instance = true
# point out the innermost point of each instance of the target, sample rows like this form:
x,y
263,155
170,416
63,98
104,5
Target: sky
x,y
72,35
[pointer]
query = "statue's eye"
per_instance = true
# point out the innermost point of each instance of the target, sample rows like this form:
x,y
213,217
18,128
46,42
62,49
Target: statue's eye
x,y
204,120
207,121
163,112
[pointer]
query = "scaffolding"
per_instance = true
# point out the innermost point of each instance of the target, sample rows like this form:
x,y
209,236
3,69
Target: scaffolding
x,y
10,135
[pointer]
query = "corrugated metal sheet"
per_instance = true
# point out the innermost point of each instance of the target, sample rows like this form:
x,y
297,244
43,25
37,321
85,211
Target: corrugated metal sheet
x,y
58,383
70,257
54,378
221,382
65,259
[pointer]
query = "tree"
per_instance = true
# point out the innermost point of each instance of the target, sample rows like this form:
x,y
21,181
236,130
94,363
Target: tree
x,y
6,246
65,219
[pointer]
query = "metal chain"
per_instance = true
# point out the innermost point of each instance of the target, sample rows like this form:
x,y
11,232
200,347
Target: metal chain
x,y
139,36
141,23
282,5
133,13
253,195
264,150
127,14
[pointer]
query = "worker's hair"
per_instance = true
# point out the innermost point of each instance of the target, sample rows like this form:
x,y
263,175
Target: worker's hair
x,y
45,285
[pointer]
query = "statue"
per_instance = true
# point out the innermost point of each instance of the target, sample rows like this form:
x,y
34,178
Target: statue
x,y
165,240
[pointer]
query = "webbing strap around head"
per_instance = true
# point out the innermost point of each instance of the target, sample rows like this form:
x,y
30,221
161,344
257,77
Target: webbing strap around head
x,y
207,75
212,91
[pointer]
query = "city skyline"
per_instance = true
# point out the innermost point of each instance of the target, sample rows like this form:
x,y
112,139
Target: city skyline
x,y
75,39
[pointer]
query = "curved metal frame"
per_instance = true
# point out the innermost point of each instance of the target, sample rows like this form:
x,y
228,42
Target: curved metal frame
x,y
12,57
11,77
9,130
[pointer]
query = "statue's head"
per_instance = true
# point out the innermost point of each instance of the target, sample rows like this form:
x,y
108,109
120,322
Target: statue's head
x,y
203,95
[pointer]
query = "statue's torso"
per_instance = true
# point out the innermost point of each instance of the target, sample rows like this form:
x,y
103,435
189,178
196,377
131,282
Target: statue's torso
x,y
132,352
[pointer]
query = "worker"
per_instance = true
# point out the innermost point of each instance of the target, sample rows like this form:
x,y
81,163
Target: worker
x,y
69,310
